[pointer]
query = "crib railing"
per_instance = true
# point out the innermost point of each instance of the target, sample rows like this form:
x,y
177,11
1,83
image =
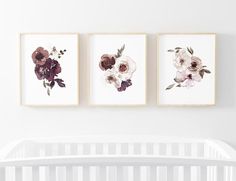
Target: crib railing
x,y
115,168
59,149
107,158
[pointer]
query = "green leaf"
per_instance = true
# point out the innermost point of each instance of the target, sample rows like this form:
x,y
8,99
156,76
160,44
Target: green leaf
x,y
207,71
52,84
201,72
178,48
178,81
170,86
120,51
190,50
44,83
48,91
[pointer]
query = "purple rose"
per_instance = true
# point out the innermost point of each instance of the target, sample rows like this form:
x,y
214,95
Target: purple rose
x,y
48,70
107,61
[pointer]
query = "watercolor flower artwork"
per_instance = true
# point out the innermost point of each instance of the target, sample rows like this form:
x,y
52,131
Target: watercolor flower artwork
x,y
117,64
186,69
47,67
190,69
118,69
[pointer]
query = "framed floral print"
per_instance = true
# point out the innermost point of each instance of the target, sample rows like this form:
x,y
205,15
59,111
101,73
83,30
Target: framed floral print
x,y
117,69
49,69
186,64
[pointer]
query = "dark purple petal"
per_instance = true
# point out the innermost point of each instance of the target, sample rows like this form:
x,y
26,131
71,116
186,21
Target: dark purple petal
x,y
124,85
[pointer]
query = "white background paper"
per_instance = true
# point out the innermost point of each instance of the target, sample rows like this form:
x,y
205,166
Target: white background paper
x,y
204,91
33,91
104,93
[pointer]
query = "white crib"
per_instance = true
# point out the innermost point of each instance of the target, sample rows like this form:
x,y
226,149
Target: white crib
x,y
118,158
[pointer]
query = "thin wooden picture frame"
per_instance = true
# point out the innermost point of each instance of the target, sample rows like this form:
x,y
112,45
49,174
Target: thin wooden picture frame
x,y
90,77
76,74
159,103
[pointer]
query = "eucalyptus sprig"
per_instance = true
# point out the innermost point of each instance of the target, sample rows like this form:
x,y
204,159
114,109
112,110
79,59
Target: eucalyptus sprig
x,y
119,51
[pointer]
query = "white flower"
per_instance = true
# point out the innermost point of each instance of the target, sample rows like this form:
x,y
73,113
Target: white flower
x,y
180,76
187,78
125,67
182,60
196,64
111,78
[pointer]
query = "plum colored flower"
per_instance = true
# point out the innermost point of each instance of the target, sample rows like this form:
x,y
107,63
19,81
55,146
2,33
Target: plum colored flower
x,y
40,72
125,67
107,61
49,70
182,59
124,85
40,55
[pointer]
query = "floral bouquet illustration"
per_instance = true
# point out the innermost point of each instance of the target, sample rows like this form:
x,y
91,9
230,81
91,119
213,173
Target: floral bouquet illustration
x,y
47,67
118,69
189,68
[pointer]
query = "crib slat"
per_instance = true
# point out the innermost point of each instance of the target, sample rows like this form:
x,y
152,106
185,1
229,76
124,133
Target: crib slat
x,y
18,174
73,149
187,149
120,174
175,149
149,147
153,173
162,149
48,149
220,173
228,171
35,173
111,173
187,173
86,148
102,173
111,148
86,173
2,174
203,173
99,148
170,173
137,173
162,176
124,148
233,173
52,173
137,148
69,173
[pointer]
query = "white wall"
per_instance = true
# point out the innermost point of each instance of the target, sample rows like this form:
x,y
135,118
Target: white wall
x,y
150,16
